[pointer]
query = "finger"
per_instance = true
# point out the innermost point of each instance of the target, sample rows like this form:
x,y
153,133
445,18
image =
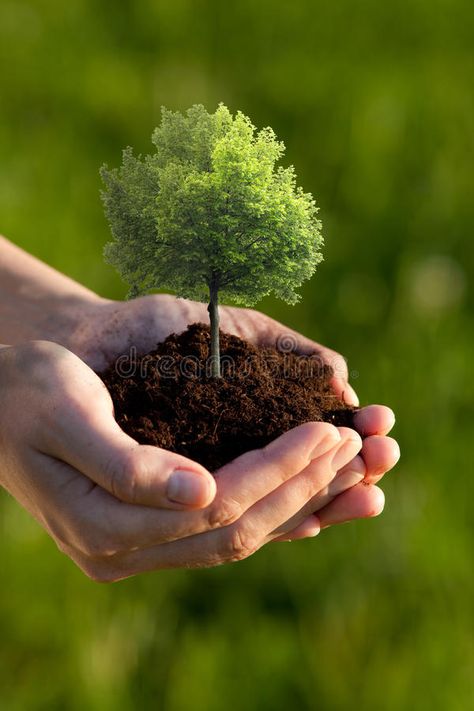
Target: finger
x,y
89,439
348,476
101,521
361,501
340,378
249,478
254,475
338,364
240,484
374,420
317,476
309,528
380,454
243,537
321,486
346,392
271,513
272,333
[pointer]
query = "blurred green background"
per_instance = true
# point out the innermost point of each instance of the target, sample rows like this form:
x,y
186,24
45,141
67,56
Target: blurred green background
x,y
375,103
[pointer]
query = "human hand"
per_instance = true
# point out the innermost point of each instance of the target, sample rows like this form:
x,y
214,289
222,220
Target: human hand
x,y
110,503
145,321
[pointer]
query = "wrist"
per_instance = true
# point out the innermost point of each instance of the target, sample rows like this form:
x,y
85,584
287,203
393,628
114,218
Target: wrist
x,y
36,301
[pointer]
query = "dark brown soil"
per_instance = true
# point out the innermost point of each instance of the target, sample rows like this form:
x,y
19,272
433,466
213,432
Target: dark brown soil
x,y
166,398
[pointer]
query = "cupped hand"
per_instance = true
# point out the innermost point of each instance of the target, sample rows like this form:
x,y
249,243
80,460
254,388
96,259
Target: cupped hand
x,y
111,328
118,508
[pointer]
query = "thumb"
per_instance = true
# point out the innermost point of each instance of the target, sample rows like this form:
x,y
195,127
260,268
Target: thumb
x,y
133,473
142,474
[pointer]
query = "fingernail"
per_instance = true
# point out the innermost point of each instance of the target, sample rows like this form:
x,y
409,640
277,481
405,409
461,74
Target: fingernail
x,y
185,487
350,396
348,447
315,531
398,454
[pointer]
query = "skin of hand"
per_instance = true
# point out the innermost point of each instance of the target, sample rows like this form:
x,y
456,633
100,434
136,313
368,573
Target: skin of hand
x,y
118,508
111,328
39,302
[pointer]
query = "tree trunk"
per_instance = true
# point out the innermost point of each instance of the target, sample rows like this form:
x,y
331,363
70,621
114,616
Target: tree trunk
x,y
214,320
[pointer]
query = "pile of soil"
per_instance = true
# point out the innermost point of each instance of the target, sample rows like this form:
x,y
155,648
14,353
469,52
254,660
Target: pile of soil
x,y
168,399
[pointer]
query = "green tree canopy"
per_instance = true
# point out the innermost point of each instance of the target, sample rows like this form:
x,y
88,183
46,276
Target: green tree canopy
x,y
210,207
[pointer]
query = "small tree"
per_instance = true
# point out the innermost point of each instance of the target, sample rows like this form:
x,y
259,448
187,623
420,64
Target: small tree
x,y
209,216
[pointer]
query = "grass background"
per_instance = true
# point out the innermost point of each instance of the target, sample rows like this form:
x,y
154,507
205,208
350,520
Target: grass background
x,y
375,103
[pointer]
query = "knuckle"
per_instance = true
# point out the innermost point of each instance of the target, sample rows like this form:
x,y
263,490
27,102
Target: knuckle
x,y
224,513
351,436
307,488
92,559
95,545
40,350
45,363
239,543
98,548
125,473
100,573
38,356
95,540
268,456
94,553
319,431
326,429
